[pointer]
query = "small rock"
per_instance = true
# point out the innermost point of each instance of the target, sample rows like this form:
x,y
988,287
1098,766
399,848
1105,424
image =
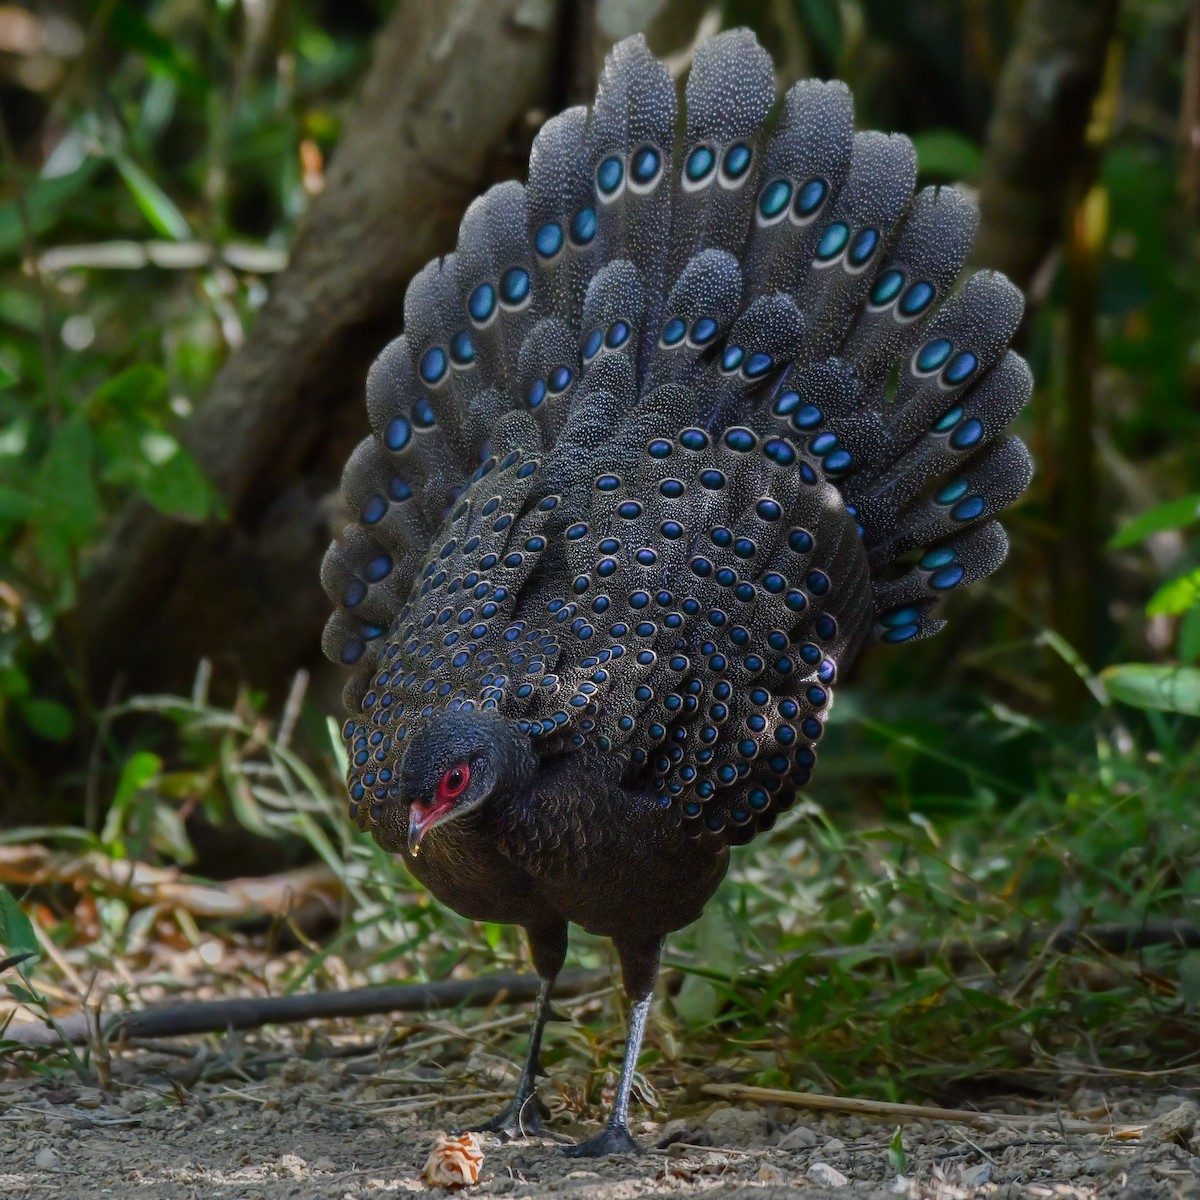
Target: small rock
x,y
47,1160
736,1126
976,1176
1101,1165
324,1165
826,1176
675,1130
769,1174
832,1147
1174,1127
293,1165
800,1138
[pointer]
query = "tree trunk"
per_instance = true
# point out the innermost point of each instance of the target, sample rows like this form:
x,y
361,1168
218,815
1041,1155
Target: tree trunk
x,y
1037,139
449,84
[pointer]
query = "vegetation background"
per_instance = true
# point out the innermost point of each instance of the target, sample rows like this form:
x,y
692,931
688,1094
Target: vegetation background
x,y
208,213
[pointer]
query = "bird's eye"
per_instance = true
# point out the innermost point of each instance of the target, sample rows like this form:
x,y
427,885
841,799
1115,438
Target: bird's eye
x,y
454,782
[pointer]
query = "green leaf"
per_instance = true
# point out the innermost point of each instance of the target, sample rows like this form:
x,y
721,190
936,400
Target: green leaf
x,y
170,835
48,719
65,484
896,1156
1177,597
1188,649
1174,514
140,771
16,929
137,391
161,54
44,201
1189,979
948,155
1145,685
823,23
15,506
179,488
157,207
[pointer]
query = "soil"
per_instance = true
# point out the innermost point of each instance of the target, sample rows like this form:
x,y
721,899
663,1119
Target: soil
x,y
261,1122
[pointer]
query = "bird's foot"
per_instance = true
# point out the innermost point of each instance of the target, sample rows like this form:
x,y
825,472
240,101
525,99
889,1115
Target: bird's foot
x,y
612,1139
523,1118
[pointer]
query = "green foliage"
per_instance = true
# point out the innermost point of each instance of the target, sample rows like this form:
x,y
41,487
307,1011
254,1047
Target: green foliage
x,y
1146,685
958,802
188,133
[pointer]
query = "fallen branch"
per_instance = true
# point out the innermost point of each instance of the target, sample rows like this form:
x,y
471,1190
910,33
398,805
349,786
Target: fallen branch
x,y
300,894
315,891
1104,939
217,1016
885,1110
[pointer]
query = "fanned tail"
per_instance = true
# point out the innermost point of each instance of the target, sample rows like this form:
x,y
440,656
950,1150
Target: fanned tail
x,y
722,417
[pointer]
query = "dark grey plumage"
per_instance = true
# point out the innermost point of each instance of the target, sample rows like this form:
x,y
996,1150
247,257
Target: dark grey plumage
x,y
641,484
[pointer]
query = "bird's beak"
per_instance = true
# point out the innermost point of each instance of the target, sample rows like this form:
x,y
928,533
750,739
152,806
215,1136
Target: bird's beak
x,y
421,819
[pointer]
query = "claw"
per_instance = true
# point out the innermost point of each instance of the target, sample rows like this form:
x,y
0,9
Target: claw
x,y
523,1118
612,1139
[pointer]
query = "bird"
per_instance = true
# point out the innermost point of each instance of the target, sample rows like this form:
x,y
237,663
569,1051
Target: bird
x,y
685,423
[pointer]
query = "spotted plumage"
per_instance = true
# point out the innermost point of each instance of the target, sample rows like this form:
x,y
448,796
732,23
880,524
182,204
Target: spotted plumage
x,y
675,432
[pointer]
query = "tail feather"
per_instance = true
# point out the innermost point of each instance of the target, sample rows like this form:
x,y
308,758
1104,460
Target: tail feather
x,y
784,280
805,167
612,319
918,271
548,374
493,265
859,225
729,93
703,304
631,138
561,209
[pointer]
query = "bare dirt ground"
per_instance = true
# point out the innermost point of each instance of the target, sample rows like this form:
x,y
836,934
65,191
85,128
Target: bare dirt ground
x,y
266,1124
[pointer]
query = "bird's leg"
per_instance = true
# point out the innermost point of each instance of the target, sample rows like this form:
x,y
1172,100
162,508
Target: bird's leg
x,y
639,966
525,1114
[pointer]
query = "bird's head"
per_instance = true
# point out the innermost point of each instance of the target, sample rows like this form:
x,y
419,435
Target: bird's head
x,y
456,763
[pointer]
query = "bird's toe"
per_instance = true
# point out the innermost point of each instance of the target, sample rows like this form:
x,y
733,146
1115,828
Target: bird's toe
x,y
612,1139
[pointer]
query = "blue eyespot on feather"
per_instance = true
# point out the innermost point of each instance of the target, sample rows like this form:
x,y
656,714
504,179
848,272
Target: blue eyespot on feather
x,y
397,434
737,161
887,288
583,227
699,164
433,364
482,302
832,242
673,332
863,247
514,286
774,199
931,356
549,239
609,175
809,198
917,299
960,368
645,165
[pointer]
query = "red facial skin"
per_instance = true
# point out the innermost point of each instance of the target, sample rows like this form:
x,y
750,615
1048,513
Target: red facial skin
x,y
423,817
